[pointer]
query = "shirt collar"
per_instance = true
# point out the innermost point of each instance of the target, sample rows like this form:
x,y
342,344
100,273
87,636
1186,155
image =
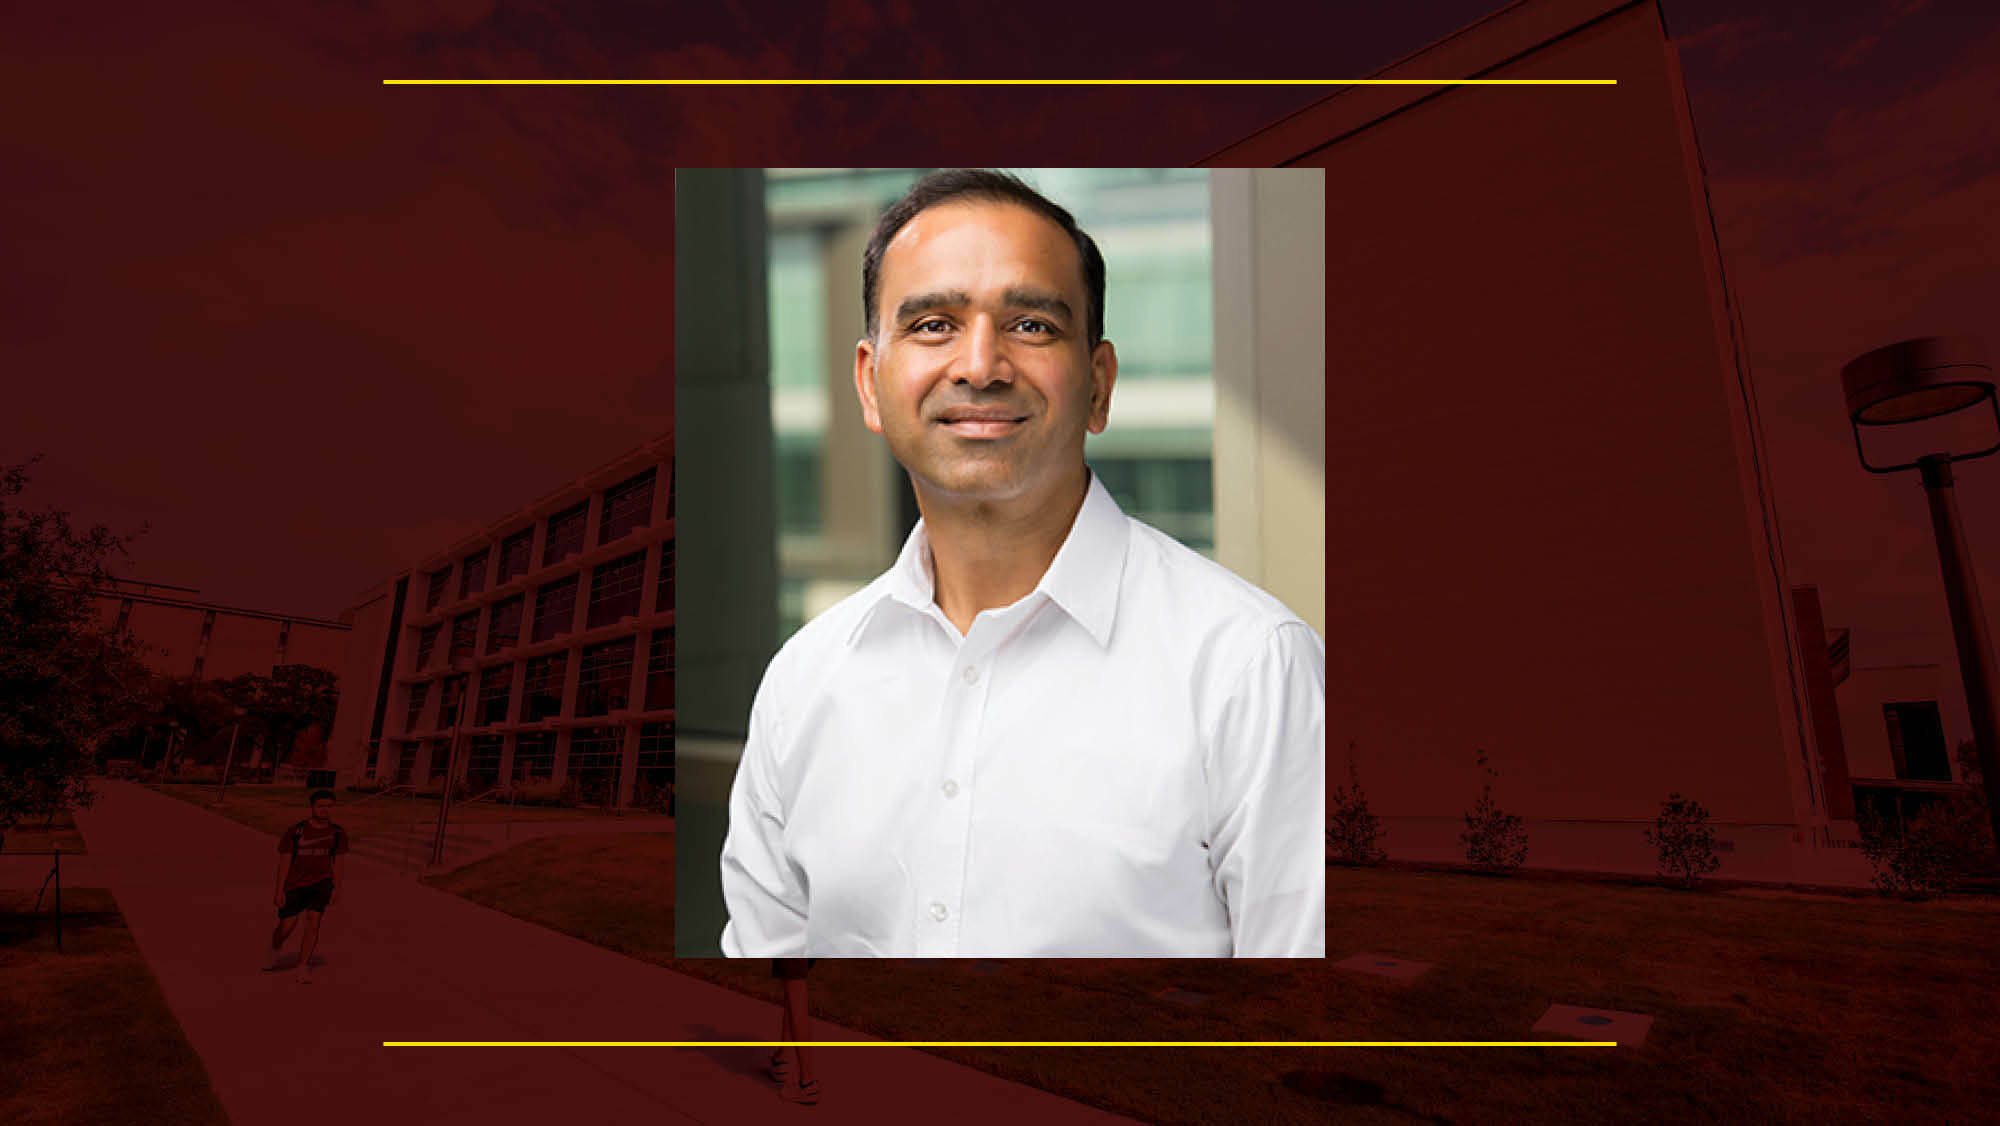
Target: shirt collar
x,y
1083,578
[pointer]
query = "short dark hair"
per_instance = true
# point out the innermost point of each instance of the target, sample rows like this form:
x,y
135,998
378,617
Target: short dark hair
x,y
317,795
950,184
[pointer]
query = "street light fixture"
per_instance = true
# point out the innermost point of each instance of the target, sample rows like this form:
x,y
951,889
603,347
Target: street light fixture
x,y
1913,381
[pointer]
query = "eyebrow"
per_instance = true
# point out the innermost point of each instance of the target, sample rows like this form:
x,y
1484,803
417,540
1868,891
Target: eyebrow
x,y
1038,300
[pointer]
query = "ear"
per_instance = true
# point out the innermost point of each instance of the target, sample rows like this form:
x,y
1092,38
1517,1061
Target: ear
x,y
1103,373
864,384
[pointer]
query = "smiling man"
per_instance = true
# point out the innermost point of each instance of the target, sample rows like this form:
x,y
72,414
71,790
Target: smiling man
x,y
1048,730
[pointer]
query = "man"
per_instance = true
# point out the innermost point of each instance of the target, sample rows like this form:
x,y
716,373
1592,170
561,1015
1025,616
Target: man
x,y
1048,730
311,859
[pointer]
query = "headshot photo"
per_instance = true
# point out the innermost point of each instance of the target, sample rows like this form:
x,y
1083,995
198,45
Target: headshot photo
x,y
1009,514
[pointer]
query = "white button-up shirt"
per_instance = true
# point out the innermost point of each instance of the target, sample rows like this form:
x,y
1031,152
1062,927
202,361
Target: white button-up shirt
x,y
1129,761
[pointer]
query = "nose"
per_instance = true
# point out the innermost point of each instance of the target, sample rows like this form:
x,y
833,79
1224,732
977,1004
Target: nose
x,y
980,361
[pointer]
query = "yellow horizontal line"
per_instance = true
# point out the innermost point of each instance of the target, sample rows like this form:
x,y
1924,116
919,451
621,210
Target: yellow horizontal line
x,y
999,1043
999,82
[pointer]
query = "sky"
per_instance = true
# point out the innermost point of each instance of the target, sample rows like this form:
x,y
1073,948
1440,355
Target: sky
x,y
304,329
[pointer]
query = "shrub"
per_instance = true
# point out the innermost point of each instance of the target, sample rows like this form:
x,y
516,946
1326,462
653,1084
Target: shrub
x,y
1353,832
654,798
1494,840
1684,839
536,791
1929,854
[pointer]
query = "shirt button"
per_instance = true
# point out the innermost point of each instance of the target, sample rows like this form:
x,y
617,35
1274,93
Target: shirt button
x,y
971,675
950,788
938,912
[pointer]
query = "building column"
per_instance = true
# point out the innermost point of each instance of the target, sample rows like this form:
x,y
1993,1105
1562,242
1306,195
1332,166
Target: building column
x,y
1270,381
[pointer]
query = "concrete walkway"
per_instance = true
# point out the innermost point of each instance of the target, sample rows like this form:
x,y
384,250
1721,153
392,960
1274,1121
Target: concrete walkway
x,y
408,962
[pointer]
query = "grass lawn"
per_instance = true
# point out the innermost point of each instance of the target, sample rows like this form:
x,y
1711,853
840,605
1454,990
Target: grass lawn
x,y
1767,1005
85,1035
273,809
35,835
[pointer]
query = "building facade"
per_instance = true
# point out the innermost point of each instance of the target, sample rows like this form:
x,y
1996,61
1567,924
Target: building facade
x,y
182,635
543,646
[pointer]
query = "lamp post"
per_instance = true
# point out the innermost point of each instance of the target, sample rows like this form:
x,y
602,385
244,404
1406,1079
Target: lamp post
x,y
229,760
451,764
1912,381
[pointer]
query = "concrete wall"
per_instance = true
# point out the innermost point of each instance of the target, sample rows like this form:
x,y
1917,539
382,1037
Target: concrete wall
x,y
1548,531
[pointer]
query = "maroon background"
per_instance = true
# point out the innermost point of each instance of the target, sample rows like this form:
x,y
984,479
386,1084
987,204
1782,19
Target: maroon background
x,y
266,305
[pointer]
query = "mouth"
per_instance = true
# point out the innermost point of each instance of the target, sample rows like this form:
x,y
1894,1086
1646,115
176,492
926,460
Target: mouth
x,y
981,423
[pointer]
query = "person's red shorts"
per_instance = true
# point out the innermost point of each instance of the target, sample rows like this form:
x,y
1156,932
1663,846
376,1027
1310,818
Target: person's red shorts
x,y
312,897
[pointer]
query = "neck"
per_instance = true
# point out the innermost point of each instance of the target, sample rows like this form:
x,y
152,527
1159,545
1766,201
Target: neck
x,y
986,554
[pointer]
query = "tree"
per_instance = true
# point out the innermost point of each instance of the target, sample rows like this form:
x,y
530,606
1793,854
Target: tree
x,y
1685,840
65,680
1494,840
1353,832
289,703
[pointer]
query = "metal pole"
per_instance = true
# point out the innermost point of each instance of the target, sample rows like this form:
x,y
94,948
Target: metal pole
x,y
228,760
451,771
58,849
1968,627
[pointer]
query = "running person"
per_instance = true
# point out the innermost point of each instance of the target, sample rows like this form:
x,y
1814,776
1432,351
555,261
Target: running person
x,y
311,859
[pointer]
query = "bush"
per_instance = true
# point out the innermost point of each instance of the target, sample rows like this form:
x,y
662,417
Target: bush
x,y
369,786
535,791
1929,854
1353,832
654,798
1494,840
1684,839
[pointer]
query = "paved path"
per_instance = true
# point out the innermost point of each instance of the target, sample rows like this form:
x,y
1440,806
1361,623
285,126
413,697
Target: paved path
x,y
409,962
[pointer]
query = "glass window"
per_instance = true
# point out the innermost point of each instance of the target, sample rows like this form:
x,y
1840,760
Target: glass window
x,y
482,761
440,758
427,639
593,762
514,551
496,684
435,594
472,576
464,633
419,695
565,533
663,598
604,677
615,589
534,755
454,692
542,687
504,630
627,506
555,608
660,671
655,766
406,762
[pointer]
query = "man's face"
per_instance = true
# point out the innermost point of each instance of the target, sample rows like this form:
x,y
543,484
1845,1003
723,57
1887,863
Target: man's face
x,y
978,370
322,809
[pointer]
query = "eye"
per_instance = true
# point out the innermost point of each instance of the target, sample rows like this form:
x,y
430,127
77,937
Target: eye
x,y
1035,326
931,326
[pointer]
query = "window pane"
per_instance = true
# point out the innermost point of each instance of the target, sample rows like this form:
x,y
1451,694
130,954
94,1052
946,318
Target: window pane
x,y
660,671
542,687
427,639
535,754
495,686
555,608
435,594
627,506
504,631
663,598
514,554
482,762
464,632
472,576
615,588
419,695
604,677
565,533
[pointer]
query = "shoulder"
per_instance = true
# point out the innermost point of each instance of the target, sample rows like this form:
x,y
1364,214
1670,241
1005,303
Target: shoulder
x,y
822,640
1169,580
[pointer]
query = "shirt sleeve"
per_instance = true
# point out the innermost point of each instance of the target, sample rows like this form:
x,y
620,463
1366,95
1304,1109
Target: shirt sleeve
x,y
763,892
288,841
1267,799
